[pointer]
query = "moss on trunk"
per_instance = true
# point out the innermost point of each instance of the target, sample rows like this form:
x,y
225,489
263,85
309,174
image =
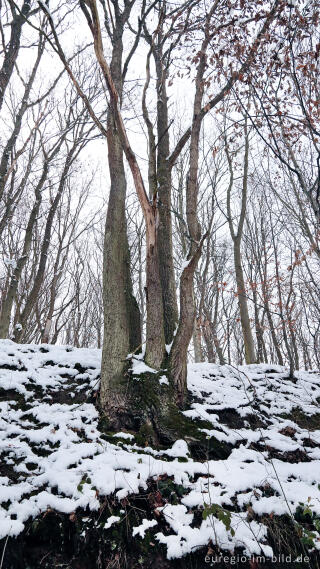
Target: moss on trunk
x,y
152,414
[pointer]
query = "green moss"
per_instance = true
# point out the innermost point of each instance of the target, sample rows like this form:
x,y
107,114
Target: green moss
x,y
175,425
104,426
146,434
170,490
159,422
146,391
310,422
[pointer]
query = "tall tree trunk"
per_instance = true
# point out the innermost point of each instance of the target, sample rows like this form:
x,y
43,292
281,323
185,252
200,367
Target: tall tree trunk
x,y
8,302
12,50
155,345
10,144
166,269
273,336
31,300
249,348
282,316
266,295
122,331
45,336
259,331
179,350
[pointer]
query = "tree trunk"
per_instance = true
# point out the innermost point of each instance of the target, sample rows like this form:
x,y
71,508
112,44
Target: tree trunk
x,y
250,355
274,337
12,291
166,269
217,345
12,50
249,350
33,295
179,350
155,342
198,355
282,316
211,353
10,144
122,332
259,330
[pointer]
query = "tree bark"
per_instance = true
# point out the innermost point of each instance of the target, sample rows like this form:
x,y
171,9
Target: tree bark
x,y
167,277
249,348
11,294
211,354
122,331
12,50
155,344
197,347
10,144
33,295
179,350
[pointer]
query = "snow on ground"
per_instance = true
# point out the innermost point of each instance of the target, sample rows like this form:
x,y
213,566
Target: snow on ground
x,y
52,454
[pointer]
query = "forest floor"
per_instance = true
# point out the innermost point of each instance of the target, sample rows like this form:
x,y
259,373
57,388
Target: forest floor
x,y
76,497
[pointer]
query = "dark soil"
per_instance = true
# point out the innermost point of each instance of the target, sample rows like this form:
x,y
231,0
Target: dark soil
x,y
78,541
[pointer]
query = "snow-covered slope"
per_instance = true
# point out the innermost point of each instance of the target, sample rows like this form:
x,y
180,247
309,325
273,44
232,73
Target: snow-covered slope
x,y
54,457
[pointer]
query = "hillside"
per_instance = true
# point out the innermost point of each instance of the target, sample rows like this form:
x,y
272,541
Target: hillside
x,y
73,495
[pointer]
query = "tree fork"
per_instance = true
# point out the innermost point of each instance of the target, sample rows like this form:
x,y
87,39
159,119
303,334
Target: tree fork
x,y
155,349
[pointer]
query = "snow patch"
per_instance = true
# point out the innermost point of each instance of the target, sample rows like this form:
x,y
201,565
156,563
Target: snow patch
x,y
59,459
